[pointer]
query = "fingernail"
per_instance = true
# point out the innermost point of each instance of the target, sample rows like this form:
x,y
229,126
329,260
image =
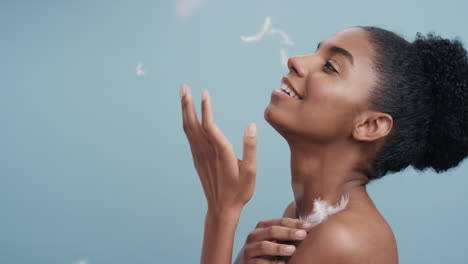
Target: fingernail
x,y
252,130
301,234
307,225
204,94
182,91
289,249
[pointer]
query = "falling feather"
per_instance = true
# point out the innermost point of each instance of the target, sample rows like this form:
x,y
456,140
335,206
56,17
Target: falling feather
x,y
286,39
284,57
139,70
267,29
266,26
81,261
186,8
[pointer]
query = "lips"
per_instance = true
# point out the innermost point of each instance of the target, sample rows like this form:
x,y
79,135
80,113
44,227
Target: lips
x,y
289,84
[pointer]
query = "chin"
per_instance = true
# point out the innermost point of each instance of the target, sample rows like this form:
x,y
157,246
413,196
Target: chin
x,y
277,119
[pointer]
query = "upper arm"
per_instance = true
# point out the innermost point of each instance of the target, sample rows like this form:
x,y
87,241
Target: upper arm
x,y
290,211
330,243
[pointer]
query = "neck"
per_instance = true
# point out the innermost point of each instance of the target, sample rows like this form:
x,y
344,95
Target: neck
x,y
326,172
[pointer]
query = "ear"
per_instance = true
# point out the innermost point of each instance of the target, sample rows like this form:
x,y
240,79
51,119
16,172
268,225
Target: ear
x,y
373,126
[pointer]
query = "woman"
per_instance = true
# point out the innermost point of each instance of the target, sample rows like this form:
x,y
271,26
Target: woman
x,y
365,104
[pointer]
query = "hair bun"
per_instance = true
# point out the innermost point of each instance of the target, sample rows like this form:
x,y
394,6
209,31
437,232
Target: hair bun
x,y
445,63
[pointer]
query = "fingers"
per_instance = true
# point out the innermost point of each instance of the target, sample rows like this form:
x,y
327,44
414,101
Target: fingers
x,y
248,166
207,115
264,241
263,261
192,125
267,248
189,114
209,125
286,222
250,144
276,233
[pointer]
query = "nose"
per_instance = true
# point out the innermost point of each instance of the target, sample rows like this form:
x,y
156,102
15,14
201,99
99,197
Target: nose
x,y
296,65
305,64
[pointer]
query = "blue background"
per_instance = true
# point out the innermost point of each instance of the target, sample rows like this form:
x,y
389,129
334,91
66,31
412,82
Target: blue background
x,y
94,164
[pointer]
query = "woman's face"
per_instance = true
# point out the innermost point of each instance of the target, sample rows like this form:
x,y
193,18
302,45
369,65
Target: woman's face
x,y
331,100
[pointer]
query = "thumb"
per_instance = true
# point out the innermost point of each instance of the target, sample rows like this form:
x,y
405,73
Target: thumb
x,y
249,161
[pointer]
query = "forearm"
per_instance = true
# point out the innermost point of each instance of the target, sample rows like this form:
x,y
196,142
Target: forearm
x,y
218,238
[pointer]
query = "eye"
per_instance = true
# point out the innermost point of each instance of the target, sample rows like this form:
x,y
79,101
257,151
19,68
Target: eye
x,y
329,66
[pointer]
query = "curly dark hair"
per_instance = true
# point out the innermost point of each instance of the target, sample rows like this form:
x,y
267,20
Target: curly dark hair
x,y
423,85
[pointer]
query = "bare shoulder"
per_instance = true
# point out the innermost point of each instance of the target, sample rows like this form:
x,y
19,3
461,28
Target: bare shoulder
x,y
290,210
349,237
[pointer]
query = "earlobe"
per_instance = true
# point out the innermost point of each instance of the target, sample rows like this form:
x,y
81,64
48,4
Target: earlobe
x,y
373,127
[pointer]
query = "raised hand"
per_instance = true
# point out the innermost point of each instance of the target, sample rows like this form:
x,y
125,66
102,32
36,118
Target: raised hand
x,y
228,182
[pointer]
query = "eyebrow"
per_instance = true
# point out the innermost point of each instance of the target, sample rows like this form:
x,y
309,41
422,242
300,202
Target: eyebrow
x,y
336,49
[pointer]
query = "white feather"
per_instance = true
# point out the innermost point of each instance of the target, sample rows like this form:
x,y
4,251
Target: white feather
x,y
266,26
267,29
286,39
284,58
139,69
186,8
81,261
322,210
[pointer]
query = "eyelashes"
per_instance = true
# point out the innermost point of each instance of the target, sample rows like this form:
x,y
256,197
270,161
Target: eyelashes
x,y
329,66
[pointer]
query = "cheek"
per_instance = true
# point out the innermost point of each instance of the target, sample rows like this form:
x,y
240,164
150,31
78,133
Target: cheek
x,y
321,86
329,117
327,110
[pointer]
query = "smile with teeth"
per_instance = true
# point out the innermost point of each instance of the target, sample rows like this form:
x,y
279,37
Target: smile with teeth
x,y
285,88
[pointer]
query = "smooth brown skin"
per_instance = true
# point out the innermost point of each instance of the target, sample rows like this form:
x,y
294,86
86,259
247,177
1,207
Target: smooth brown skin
x,y
332,133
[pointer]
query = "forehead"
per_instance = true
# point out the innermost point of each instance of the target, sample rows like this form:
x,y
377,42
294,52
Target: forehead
x,y
361,77
355,40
